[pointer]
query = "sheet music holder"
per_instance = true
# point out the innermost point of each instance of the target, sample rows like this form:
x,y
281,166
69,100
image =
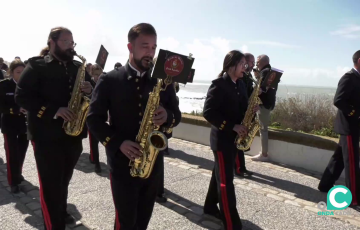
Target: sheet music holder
x,y
272,79
172,64
190,78
102,57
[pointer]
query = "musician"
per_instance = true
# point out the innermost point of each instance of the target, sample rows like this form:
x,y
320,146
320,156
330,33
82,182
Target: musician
x,y
13,126
268,99
225,106
347,123
117,65
44,90
240,168
95,72
124,93
169,99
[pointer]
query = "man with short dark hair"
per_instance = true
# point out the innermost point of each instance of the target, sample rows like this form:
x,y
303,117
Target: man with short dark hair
x,y
124,93
117,65
346,155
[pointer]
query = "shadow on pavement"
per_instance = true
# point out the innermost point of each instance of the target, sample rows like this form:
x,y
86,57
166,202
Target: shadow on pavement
x,y
196,212
299,190
85,166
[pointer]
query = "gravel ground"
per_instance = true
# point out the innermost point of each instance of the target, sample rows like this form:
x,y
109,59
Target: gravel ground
x,y
276,197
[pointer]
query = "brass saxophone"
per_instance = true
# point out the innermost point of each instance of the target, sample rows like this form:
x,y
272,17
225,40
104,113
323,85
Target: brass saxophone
x,y
149,137
250,121
78,104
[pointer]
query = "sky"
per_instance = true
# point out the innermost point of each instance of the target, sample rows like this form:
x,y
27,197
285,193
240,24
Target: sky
x,y
312,41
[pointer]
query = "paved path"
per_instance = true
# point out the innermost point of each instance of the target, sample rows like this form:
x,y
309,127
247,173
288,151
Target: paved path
x,y
276,197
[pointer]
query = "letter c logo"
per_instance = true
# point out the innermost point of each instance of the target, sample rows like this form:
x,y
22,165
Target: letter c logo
x,y
339,198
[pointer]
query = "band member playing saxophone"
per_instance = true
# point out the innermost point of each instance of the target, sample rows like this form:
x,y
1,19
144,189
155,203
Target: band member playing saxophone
x,y
225,106
124,93
44,90
240,168
347,121
13,126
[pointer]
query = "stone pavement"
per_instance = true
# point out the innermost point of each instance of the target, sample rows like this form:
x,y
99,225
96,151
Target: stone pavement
x,y
276,197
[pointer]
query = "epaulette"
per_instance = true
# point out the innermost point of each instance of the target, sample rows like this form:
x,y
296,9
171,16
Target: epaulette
x,y
77,63
35,60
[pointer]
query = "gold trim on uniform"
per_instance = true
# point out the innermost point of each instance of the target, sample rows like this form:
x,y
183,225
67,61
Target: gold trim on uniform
x,y
104,143
108,139
224,122
352,112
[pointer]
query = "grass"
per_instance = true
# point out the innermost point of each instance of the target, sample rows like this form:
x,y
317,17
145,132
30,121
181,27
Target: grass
x,y
312,114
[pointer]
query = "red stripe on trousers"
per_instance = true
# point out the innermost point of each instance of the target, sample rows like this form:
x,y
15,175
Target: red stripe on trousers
x,y
237,160
117,221
44,208
223,191
8,160
91,151
352,170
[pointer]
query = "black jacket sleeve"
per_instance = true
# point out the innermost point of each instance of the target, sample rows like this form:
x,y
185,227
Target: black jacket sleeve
x,y
98,114
212,109
342,97
5,107
27,95
172,109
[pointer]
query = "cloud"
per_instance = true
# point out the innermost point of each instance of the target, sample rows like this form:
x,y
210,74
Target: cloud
x,y
271,43
348,31
313,76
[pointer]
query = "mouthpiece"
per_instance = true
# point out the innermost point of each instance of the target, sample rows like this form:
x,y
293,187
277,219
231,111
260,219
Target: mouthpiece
x,y
73,52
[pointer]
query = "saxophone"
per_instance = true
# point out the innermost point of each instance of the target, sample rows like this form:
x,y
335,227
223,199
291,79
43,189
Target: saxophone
x,y
250,121
78,104
149,137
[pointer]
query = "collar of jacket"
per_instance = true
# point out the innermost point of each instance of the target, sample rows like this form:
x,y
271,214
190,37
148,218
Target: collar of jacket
x,y
49,58
265,67
356,72
228,79
133,74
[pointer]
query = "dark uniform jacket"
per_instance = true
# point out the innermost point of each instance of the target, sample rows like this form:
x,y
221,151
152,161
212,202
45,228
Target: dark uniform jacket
x,y
167,98
125,95
12,120
248,83
225,106
347,100
268,96
44,86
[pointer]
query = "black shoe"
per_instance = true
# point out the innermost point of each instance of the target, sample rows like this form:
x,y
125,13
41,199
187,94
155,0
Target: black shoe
x,y
245,173
15,189
161,199
22,178
324,189
92,162
97,168
69,219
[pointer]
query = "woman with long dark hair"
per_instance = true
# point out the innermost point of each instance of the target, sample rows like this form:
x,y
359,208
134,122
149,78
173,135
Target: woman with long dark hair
x,y
224,109
13,126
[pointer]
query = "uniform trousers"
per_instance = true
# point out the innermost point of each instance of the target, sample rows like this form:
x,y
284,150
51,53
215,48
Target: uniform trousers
x,y
134,197
240,162
346,156
221,190
264,119
162,172
15,146
94,149
56,160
